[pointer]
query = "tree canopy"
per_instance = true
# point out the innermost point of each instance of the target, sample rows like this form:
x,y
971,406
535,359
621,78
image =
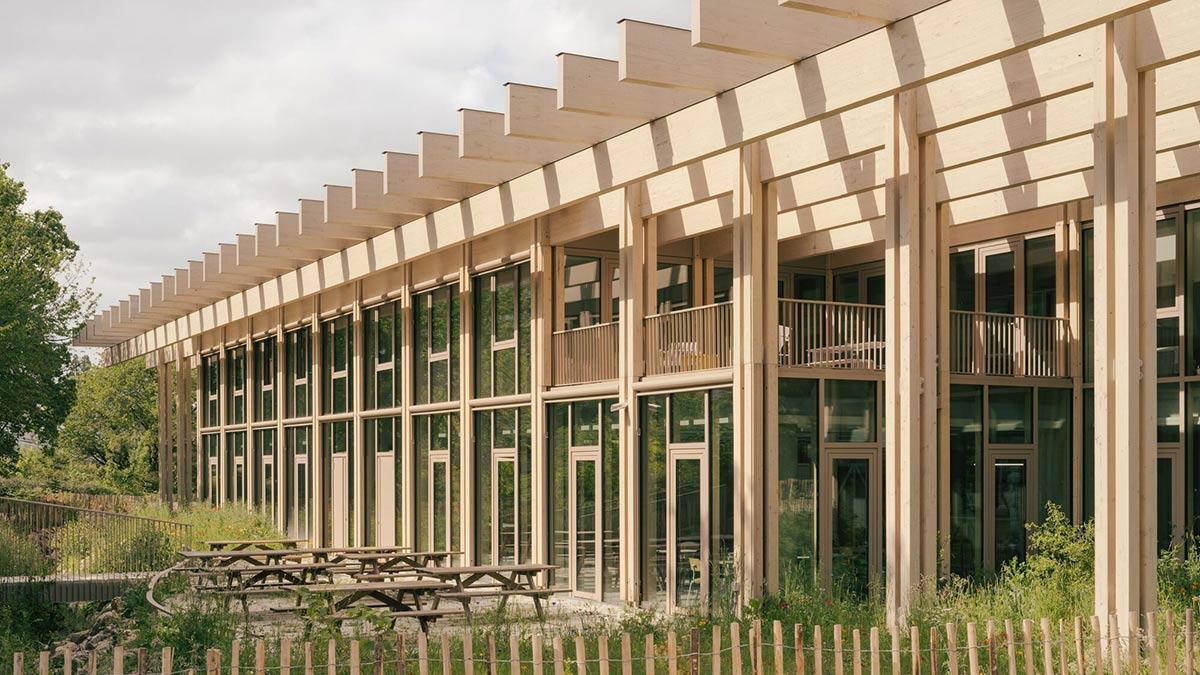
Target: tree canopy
x,y
43,302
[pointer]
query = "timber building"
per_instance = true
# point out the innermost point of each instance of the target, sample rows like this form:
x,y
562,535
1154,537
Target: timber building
x,y
844,289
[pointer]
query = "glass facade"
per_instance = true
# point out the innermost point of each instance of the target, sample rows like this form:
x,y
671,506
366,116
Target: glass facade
x,y
381,354
502,311
436,324
503,486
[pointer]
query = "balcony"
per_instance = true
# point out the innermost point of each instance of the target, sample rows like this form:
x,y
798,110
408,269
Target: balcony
x,y
1007,345
700,338
583,355
838,335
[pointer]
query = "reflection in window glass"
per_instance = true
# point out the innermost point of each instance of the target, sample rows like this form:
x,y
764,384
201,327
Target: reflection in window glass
x,y
674,287
962,281
1168,346
1169,420
1010,415
653,498
722,284
1000,283
797,541
845,287
1164,259
850,411
966,479
1054,449
687,417
1011,507
1039,276
581,291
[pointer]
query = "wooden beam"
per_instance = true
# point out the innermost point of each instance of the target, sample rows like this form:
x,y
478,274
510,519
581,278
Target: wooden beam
x,y
482,137
824,215
763,27
439,159
663,55
833,239
313,221
339,208
533,112
831,181
591,85
875,12
402,177
288,235
370,194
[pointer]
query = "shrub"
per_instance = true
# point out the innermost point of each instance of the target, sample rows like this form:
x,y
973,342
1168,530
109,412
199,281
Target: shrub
x,y
20,554
212,523
198,623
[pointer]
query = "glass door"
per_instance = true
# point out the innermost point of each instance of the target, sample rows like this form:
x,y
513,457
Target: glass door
x,y
439,490
299,477
1170,501
1012,504
687,528
504,505
852,518
585,524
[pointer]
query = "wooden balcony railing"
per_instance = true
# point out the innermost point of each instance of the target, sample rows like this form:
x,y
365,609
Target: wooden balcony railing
x,y
820,334
587,354
1008,344
692,339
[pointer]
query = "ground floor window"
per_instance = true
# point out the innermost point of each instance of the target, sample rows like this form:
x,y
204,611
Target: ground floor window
x,y
338,483
685,524
210,468
828,527
383,477
265,488
235,467
297,481
438,465
1010,459
503,524
584,497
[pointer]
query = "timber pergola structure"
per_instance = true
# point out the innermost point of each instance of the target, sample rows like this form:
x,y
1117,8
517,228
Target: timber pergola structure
x,y
774,153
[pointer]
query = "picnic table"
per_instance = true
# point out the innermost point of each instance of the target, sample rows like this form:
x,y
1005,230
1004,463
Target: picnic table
x,y
375,564
495,581
257,558
413,598
259,544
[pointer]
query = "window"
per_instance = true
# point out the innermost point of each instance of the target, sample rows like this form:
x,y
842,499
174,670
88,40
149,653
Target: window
x,y
435,349
265,482
962,281
298,481
1010,415
381,438
381,376
674,287
337,444
966,479
211,387
503,301
797,539
235,385
850,411
235,467
581,291
337,347
722,284
503,486
1040,276
264,379
210,476
297,344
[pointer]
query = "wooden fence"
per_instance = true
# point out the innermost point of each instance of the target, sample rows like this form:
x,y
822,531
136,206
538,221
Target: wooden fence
x,y
1163,643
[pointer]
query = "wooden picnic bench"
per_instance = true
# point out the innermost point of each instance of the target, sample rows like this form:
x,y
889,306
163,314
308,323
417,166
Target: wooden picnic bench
x,y
258,557
253,544
401,598
494,581
377,564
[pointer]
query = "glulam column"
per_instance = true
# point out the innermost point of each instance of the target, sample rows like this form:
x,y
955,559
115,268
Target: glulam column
x,y
631,366
1125,365
910,464
163,374
183,426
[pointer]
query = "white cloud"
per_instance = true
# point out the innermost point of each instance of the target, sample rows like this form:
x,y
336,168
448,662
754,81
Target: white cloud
x,y
162,128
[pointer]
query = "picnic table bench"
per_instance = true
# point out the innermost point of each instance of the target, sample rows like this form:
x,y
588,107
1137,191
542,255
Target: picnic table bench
x,y
258,557
411,598
376,564
259,544
497,581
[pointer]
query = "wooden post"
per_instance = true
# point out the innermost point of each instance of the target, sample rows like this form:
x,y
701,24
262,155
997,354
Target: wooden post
x,y
1010,646
213,662
626,655
285,656
672,654
1098,645
260,656
756,647
875,656
331,657
694,657
798,640
1133,646
895,649
119,660
1114,644
1189,643
423,653
44,663
376,656
648,656
1062,645
536,643
514,652
856,659
933,649
972,649
18,663
581,655
168,661
838,661
355,659
141,661
309,659
991,646
1125,370
558,656
735,647
1027,644
93,663
716,650
602,653
1171,661
777,636
952,648
68,659
468,647
818,655
914,649
910,259
1152,641
447,660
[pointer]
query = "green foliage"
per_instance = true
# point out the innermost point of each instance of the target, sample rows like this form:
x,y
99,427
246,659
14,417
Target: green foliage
x,y
198,623
1179,577
211,523
100,545
20,554
112,429
43,303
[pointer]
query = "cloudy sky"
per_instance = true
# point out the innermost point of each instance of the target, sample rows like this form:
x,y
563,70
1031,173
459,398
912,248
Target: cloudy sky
x,y
162,128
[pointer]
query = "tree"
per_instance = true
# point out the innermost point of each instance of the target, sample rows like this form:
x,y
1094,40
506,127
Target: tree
x,y
113,426
42,307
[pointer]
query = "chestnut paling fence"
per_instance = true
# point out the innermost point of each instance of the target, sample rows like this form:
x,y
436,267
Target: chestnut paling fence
x,y
71,554
1154,643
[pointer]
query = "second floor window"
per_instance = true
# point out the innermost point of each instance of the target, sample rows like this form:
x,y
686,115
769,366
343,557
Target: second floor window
x,y
337,347
298,367
435,347
503,301
235,385
381,334
264,379
210,374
